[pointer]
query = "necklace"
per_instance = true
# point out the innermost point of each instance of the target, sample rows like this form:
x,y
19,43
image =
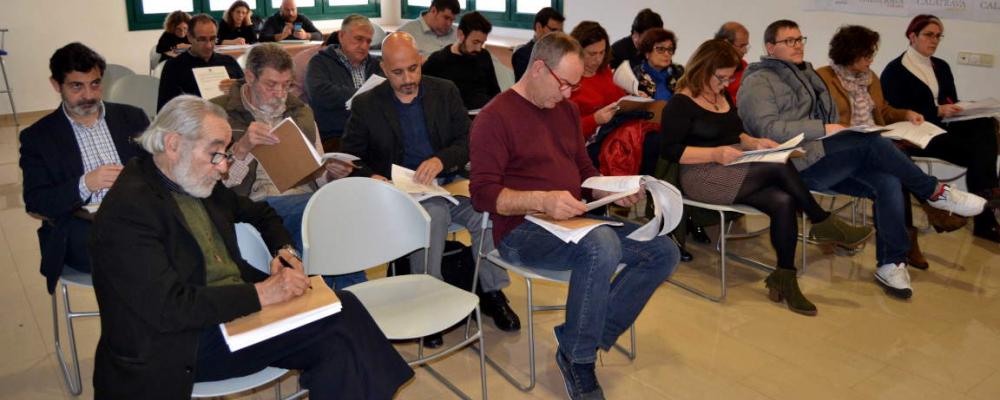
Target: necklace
x,y
714,103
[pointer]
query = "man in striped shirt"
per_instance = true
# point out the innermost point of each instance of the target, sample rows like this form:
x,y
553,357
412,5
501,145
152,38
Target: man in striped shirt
x,y
73,155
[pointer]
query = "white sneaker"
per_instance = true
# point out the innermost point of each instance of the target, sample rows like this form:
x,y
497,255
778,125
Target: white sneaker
x,y
895,279
958,202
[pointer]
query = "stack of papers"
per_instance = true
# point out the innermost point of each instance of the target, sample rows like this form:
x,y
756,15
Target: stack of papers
x,y
919,135
625,78
667,208
316,303
402,179
778,154
976,109
369,84
208,79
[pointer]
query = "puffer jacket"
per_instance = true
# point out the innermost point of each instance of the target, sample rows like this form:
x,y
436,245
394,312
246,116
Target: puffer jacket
x,y
778,100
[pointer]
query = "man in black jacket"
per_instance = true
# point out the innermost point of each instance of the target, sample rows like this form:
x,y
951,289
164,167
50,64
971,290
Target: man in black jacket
x,y
168,271
420,123
467,63
178,73
288,24
336,73
547,20
72,156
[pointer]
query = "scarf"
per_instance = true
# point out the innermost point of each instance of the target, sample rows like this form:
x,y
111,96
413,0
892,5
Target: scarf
x,y
856,84
921,67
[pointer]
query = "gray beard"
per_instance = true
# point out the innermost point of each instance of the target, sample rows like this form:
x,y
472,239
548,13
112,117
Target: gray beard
x,y
194,185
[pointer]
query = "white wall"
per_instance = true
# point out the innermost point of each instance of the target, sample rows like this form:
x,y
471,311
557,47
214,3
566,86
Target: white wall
x,y
38,27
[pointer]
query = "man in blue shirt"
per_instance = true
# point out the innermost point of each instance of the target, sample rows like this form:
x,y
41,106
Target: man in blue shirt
x,y
419,122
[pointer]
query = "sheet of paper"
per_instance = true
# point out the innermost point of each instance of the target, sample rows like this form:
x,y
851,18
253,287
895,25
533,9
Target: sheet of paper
x,y
857,129
919,135
625,78
475,111
208,79
975,105
637,99
318,302
402,179
779,157
985,108
570,230
369,84
343,157
790,144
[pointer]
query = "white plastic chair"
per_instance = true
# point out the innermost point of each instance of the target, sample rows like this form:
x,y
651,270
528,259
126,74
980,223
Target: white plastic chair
x,y
154,58
255,252
530,275
352,224
136,90
70,372
929,162
112,74
158,71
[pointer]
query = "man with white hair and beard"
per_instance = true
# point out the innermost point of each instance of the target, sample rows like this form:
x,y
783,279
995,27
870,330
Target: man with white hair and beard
x,y
167,271
72,156
467,63
253,107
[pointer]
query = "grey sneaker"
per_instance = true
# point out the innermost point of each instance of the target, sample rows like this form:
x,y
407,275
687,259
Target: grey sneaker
x,y
895,280
958,202
580,379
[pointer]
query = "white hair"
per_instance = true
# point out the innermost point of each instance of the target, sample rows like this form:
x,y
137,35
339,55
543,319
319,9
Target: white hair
x,y
185,115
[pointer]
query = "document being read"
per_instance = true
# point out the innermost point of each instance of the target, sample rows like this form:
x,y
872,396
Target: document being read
x,y
778,154
369,84
976,109
208,79
316,303
402,179
667,208
919,135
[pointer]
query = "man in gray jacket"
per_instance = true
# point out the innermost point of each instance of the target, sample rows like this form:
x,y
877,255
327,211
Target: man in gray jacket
x,y
336,72
782,96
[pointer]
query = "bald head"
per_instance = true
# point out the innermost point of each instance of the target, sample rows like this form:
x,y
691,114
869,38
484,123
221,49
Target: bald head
x,y
288,10
401,64
736,34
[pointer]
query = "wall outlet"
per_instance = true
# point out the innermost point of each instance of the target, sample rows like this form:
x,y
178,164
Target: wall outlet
x,y
976,59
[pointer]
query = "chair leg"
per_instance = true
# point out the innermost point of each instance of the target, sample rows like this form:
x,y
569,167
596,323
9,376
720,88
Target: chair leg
x,y
722,268
631,351
531,350
71,373
482,354
10,94
805,241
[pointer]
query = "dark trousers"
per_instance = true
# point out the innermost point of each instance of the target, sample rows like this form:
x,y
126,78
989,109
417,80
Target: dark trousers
x,y
344,356
973,145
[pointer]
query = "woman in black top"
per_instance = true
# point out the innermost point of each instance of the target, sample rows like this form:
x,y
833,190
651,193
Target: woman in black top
x,y
236,26
174,39
918,81
703,132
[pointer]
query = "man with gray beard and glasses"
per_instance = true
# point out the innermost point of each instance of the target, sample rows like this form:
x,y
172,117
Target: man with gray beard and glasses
x,y
168,271
72,156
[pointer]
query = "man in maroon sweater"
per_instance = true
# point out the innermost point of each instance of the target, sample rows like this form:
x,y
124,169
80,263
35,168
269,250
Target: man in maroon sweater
x,y
528,157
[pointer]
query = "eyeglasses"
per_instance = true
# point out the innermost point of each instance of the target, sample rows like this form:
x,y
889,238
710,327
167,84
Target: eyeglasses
x,y
724,81
792,42
664,49
274,86
745,46
932,35
563,84
204,39
217,157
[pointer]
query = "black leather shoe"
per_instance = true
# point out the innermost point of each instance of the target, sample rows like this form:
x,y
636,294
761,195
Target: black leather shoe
x,y
991,233
686,256
495,305
433,341
698,233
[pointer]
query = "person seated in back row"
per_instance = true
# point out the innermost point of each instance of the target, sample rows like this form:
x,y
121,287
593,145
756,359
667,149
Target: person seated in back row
x,y
178,75
467,63
288,24
547,20
237,25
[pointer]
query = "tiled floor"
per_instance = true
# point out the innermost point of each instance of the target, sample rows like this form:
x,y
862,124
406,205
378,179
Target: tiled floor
x,y
942,344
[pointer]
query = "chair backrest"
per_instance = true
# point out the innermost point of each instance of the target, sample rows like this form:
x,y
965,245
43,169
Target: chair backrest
x,y
113,74
158,70
252,247
136,90
242,59
352,224
154,58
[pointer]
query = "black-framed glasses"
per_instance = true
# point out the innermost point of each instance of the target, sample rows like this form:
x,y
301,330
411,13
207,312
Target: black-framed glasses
x,y
664,49
724,81
792,42
563,84
217,157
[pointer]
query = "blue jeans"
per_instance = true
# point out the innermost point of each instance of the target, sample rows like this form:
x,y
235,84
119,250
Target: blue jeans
x,y
598,310
291,208
870,166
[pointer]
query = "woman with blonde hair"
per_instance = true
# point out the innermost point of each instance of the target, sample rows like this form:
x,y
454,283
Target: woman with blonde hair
x,y
236,26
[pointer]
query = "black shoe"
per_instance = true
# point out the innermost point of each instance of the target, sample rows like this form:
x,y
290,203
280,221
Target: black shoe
x,y
495,304
580,379
991,233
686,256
698,233
433,341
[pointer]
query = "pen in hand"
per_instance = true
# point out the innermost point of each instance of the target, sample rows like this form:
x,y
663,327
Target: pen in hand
x,y
286,264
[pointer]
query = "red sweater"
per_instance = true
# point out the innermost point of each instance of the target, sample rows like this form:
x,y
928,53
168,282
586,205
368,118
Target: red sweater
x,y
734,86
516,145
595,92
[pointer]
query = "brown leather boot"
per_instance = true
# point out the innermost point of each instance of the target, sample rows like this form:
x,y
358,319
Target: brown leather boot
x,y
915,258
943,221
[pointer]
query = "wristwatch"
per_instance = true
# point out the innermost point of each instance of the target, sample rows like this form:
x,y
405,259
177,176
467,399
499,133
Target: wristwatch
x,y
291,250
